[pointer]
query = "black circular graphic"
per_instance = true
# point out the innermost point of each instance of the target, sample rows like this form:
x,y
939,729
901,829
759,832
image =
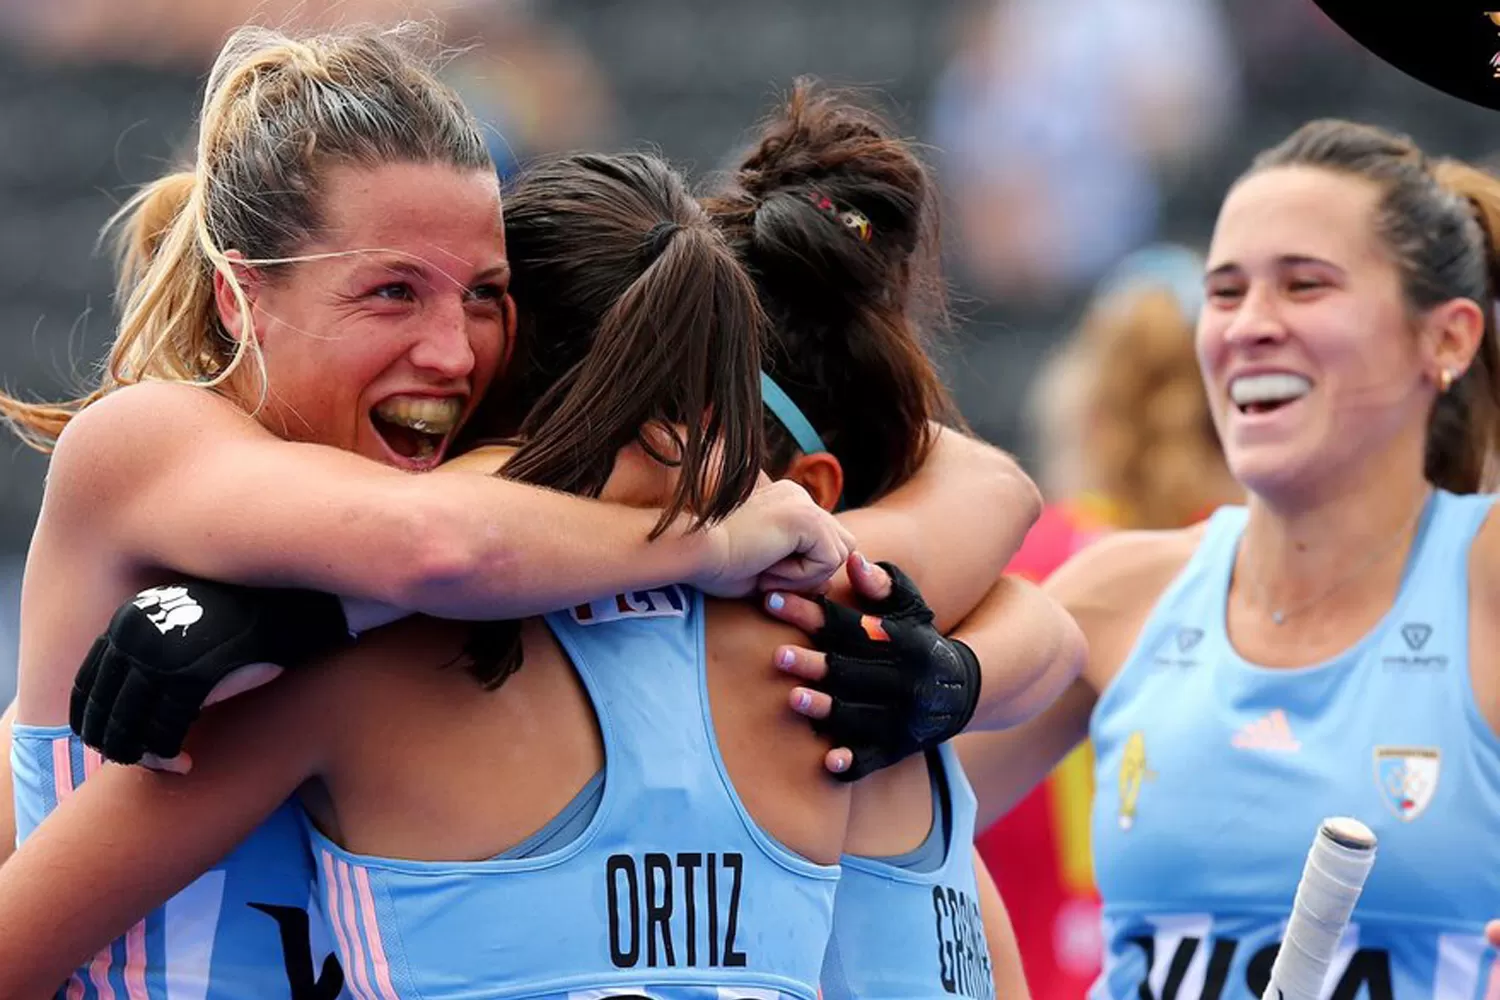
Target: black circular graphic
x,y
1453,45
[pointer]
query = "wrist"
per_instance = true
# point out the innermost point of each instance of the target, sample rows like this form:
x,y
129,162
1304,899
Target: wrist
x,y
972,674
678,554
706,551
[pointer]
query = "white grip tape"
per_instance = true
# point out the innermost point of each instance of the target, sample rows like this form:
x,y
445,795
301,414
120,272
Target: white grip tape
x,y
1331,883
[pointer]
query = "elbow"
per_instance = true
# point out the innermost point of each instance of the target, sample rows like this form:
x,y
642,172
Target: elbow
x,y
1070,653
1019,492
1060,663
1073,654
1004,486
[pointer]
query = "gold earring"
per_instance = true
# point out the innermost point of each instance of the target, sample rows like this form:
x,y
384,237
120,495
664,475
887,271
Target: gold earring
x,y
1445,380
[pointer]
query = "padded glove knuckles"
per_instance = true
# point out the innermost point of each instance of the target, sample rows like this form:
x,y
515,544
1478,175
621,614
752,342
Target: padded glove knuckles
x,y
898,685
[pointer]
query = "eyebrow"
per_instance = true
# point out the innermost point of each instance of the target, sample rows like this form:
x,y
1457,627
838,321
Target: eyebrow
x,y
500,271
424,274
1285,260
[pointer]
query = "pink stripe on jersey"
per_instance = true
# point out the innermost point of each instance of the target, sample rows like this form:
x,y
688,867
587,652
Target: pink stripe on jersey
x,y
372,930
93,760
62,768
62,787
99,973
135,963
357,958
340,932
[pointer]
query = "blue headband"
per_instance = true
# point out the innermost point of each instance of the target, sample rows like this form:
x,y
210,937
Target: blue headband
x,y
790,416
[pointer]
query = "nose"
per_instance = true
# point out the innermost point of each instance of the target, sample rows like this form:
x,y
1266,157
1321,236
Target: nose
x,y
443,346
1257,320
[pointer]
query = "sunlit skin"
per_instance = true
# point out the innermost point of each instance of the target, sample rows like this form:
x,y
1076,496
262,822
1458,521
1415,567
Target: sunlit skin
x,y
421,310
1298,284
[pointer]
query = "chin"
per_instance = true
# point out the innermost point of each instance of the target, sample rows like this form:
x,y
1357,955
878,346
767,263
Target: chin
x,y
1269,471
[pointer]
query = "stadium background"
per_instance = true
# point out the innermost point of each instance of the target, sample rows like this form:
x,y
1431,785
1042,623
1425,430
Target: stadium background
x,y
1066,134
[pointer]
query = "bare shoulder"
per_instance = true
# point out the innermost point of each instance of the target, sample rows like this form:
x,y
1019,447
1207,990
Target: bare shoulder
x,y
1110,588
135,429
485,460
1484,632
774,759
1484,561
1124,568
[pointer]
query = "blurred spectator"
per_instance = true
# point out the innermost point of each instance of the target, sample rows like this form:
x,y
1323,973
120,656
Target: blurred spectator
x,y
529,81
185,32
1057,121
1126,441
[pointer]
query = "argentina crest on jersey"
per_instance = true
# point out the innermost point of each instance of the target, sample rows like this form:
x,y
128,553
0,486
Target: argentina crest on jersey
x,y
1407,778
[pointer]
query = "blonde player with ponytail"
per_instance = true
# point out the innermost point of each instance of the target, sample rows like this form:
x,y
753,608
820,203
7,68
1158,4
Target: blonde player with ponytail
x,y
309,314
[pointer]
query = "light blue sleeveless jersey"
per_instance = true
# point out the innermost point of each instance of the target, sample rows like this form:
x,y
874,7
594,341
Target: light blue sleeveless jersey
x,y
670,892
251,928
908,935
1213,774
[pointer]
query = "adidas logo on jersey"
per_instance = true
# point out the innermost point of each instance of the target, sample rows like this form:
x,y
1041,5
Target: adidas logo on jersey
x,y
1270,733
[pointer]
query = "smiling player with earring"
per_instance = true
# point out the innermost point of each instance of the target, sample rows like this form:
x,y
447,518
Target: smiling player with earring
x,y
1347,612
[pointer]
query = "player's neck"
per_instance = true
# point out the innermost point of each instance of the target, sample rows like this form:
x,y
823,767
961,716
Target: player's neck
x,y
1289,556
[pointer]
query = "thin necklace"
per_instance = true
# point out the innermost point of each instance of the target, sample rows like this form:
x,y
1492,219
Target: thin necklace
x,y
1280,615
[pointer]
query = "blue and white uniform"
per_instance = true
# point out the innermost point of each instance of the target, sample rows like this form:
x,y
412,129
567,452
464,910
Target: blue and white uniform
x,y
1213,774
909,927
654,883
251,928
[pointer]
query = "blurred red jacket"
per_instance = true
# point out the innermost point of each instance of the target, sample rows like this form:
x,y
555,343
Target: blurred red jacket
x,y
1039,852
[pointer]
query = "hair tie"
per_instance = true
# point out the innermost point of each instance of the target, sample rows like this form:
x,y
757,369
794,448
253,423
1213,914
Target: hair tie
x,y
657,239
856,221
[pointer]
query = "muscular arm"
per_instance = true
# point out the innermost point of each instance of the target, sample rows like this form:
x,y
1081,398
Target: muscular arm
x,y
1109,590
1000,935
177,478
7,788
1029,651
69,891
952,527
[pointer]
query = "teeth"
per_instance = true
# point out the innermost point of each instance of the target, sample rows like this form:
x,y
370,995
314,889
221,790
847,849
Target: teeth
x,y
425,414
1272,388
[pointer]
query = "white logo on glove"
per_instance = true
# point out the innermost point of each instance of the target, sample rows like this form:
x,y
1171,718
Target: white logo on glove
x,y
173,608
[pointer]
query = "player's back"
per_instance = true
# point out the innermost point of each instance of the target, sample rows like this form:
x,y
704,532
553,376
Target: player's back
x,y
592,825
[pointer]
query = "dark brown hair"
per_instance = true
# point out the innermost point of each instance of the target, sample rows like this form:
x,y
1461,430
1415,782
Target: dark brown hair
x,y
631,311
1438,219
836,219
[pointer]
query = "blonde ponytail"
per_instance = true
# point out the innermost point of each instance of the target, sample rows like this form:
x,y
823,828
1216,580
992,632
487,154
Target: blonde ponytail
x,y
275,111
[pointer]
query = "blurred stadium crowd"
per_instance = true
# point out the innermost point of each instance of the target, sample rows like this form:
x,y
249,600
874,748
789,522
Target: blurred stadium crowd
x,y
1066,136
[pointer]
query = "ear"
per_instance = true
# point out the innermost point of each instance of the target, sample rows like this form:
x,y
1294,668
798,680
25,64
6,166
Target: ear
x,y
225,302
1450,338
821,475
